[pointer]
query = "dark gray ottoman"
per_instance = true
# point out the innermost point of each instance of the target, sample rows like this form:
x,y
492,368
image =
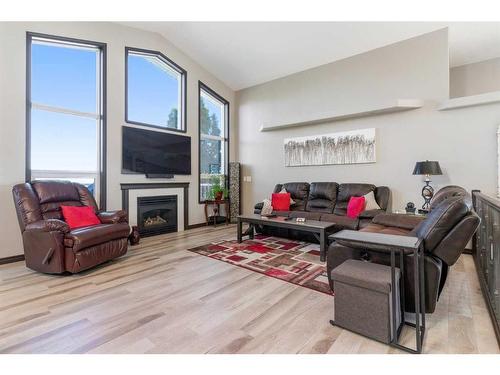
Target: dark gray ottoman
x,y
363,300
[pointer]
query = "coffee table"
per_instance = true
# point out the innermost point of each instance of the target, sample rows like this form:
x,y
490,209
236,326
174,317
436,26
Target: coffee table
x,y
320,229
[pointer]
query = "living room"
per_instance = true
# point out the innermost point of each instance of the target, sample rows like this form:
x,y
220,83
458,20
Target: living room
x,y
162,197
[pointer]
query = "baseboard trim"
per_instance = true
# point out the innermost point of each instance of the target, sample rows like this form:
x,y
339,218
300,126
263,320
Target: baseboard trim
x,y
12,259
194,226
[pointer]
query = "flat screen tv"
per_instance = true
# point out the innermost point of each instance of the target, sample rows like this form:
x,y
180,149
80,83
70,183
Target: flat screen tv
x,y
155,153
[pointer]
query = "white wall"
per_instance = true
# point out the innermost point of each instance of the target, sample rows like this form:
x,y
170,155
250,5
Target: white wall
x,y
12,111
476,78
463,140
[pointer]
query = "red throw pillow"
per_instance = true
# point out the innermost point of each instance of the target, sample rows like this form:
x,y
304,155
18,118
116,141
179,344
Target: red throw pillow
x,y
280,201
77,217
355,206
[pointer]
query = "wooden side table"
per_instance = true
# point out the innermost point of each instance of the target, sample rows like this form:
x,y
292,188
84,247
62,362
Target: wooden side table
x,y
216,210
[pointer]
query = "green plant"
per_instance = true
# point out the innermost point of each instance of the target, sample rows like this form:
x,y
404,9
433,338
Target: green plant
x,y
216,187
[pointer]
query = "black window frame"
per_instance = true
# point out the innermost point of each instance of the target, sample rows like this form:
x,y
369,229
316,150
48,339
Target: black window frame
x,y
206,88
102,107
176,67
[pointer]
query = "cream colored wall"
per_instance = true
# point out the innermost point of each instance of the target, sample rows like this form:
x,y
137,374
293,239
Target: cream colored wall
x,y
476,78
462,140
12,111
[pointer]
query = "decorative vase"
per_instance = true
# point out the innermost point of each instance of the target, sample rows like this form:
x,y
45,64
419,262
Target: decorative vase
x,y
218,195
134,237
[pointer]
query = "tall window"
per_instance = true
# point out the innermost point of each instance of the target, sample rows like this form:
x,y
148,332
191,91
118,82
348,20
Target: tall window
x,y
65,114
213,147
155,90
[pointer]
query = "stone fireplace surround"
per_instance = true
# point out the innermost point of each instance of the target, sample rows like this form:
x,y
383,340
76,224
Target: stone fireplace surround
x,y
131,191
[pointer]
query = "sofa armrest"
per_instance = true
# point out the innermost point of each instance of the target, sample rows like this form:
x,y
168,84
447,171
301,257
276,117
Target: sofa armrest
x,y
258,208
113,217
49,225
370,214
398,220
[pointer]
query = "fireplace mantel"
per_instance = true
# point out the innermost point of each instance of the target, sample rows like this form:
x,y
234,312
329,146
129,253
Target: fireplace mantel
x,y
125,187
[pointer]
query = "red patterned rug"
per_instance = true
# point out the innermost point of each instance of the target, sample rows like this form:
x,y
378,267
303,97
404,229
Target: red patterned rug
x,y
293,261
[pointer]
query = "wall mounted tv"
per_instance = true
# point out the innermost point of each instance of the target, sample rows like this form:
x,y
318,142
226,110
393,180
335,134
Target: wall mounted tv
x,y
155,154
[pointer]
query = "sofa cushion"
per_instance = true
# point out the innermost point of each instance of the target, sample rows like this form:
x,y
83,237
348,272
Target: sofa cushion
x,y
371,203
382,195
378,228
446,192
298,192
441,220
77,217
280,201
346,191
283,191
322,197
55,191
403,221
341,221
355,206
84,237
52,210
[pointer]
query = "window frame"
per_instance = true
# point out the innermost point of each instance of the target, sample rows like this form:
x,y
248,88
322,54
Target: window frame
x,y
204,87
183,95
101,109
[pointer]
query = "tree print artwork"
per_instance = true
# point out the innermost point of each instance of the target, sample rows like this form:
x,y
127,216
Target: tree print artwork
x,y
351,147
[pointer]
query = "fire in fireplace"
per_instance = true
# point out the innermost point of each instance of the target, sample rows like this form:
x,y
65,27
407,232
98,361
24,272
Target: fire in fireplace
x,y
157,215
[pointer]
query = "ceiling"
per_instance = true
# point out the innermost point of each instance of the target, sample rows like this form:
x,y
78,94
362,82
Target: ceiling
x,y
244,54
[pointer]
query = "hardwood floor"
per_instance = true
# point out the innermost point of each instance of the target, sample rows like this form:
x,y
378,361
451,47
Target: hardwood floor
x,y
160,298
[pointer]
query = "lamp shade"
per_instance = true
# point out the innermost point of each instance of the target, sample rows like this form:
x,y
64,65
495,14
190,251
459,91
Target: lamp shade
x,y
427,168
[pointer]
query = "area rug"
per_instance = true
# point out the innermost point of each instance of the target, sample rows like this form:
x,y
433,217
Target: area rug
x,y
292,261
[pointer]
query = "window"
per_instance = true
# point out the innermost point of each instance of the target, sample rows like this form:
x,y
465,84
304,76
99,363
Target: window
x,y
213,146
65,111
156,90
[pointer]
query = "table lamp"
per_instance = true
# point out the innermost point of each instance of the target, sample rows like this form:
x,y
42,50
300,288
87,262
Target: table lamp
x,y
427,168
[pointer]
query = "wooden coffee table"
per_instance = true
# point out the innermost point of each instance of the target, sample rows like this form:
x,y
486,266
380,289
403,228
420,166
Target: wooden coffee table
x,y
320,229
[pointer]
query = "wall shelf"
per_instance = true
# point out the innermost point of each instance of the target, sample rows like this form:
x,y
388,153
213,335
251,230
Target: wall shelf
x,y
470,101
398,105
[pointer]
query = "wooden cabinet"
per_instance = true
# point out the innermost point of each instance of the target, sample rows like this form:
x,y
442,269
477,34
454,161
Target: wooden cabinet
x,y
486,252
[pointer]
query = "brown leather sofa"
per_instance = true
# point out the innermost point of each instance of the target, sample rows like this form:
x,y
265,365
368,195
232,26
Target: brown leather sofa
x,y
49,244
445,231
326,201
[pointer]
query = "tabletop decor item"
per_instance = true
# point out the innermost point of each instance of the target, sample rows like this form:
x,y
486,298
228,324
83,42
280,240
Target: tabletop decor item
x,y
427,168
410,208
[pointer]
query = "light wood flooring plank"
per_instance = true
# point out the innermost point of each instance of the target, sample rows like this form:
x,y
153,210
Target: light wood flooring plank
x,y
160,298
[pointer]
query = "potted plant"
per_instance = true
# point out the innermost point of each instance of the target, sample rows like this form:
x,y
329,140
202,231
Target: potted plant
x,y
217,190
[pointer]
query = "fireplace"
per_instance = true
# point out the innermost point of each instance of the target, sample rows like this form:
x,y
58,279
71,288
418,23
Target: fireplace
x,y
157,215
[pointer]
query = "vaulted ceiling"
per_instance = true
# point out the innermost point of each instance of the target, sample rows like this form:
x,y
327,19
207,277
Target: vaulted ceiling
x,y
244,54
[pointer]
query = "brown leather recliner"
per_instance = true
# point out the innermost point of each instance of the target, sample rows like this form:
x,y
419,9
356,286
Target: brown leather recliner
x,y
445,232
49,244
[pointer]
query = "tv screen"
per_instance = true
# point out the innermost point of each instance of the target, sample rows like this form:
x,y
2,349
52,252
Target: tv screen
x,y
155,153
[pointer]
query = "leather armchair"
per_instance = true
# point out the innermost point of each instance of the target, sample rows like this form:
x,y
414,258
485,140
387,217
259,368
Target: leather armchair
x,y
50,246
445,231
